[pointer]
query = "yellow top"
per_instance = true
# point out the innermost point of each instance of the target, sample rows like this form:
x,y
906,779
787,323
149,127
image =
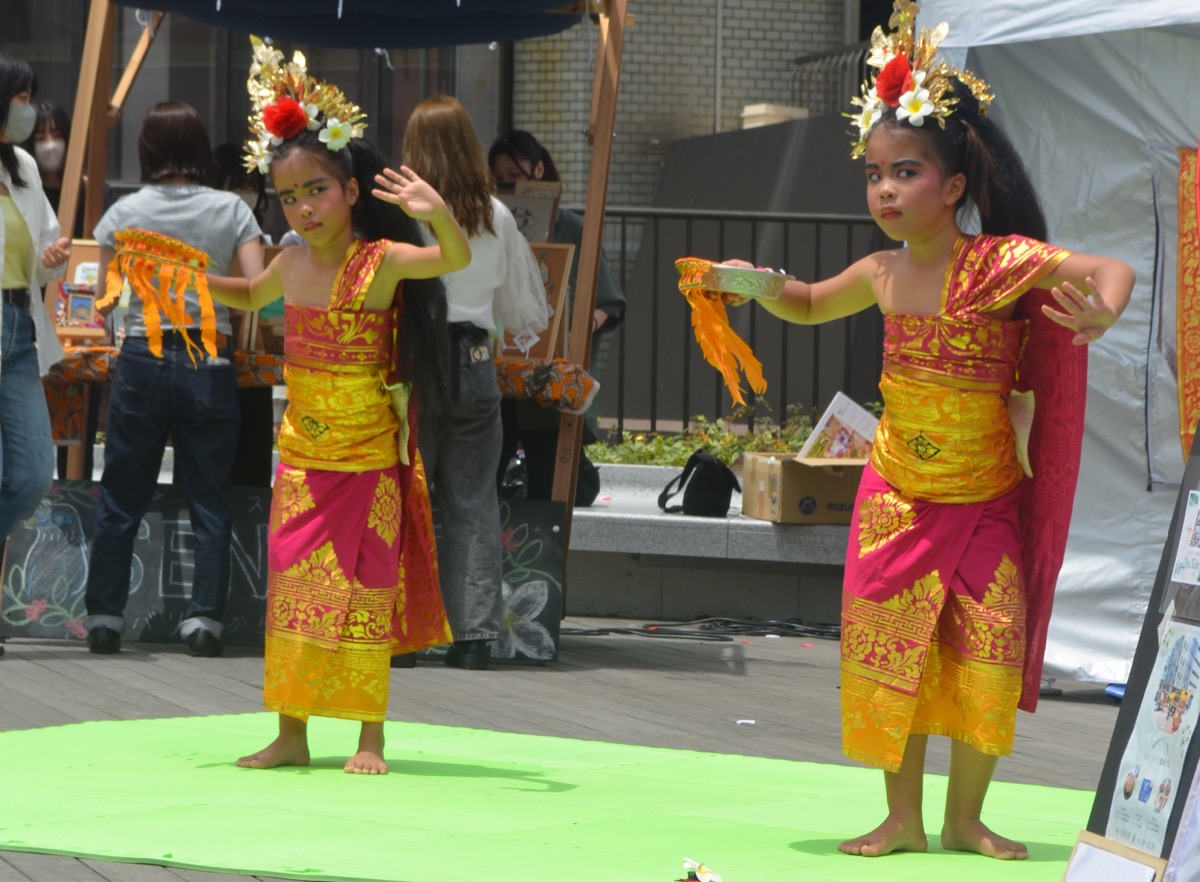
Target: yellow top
x,y
18,245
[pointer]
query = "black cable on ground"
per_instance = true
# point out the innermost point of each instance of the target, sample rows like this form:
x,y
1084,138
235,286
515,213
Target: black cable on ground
x,y
717,629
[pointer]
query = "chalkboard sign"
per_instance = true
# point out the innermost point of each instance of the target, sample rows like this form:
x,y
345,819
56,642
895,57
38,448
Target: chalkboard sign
x,y
46,567
1152,758
531,543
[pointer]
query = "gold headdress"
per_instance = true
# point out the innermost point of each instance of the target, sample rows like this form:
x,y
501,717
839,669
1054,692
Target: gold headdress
x,y
910,78
285,100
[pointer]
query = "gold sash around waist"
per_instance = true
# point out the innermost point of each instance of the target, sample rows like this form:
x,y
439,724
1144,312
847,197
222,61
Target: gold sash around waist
x,y
945,444
338,421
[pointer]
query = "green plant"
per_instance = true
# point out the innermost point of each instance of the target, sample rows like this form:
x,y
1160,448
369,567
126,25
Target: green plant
x,y
725,438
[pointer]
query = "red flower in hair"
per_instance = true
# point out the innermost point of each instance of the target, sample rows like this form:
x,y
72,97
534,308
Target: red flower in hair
x,y
890,83
285,117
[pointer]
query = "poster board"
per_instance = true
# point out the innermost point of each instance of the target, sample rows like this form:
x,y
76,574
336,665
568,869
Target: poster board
x,y
534,206
554,265
1145,785
1096,859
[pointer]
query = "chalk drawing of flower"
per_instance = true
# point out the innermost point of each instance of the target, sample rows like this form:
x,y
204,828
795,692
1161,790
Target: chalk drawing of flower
x,y
520,632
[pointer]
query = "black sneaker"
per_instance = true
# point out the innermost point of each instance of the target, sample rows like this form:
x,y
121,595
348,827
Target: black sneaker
x,y
104,641
204,644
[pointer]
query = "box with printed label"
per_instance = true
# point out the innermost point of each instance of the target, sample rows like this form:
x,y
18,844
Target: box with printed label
x,y
790,490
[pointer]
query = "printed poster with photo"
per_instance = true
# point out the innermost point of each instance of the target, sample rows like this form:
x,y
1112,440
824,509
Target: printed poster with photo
x,y
1187,557
1148,776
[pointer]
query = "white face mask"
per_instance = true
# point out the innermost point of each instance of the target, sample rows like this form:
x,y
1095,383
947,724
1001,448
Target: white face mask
x,y
50,155
21,120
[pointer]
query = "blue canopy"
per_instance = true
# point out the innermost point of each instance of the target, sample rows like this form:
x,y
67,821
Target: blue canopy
x,y
388,24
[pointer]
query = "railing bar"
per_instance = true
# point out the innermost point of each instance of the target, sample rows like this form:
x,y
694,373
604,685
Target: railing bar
x,y
816,390
647,212
621,331
783,331
654,331
685,402
753,317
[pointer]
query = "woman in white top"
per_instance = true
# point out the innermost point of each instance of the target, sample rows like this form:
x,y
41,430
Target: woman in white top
x,y
31,254
500,290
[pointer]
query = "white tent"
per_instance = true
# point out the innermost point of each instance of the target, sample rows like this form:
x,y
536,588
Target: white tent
x,y
1099,97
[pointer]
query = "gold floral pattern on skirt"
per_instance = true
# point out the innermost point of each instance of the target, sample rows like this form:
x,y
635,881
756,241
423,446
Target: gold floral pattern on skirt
x,y
881,519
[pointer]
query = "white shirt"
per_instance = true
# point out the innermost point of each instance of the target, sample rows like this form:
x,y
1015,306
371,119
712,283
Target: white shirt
x,y
44,231
501,288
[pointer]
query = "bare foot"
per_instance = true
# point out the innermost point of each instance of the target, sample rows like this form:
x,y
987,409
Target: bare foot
x,y
366,762
369,759
974,835
283,751
891,835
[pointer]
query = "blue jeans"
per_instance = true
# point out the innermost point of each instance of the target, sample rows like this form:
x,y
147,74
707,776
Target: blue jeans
x,y
198,406
461,458
26,450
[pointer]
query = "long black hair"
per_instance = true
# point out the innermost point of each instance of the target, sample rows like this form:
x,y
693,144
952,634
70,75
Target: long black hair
x,y
16,76
999,186
424,356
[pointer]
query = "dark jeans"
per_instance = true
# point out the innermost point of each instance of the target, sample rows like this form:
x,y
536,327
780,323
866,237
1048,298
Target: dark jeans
x,y
198,407
461,457
26,451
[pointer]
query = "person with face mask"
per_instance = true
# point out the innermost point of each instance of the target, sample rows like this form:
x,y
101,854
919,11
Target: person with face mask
x,y
31,254
48,144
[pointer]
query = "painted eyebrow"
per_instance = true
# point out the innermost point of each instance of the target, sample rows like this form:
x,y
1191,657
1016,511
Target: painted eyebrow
x,y
306,184
898,162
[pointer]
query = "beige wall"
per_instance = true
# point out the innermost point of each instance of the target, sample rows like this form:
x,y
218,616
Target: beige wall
x,y
668,80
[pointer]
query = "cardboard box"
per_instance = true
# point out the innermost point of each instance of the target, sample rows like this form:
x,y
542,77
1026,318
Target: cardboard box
x,y
789,490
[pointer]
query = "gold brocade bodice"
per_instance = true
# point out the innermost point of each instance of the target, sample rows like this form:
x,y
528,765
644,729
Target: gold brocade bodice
x,y
339,414
947,434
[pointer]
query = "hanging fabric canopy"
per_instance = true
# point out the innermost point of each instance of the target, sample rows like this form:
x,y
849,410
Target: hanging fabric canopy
x,y
388,24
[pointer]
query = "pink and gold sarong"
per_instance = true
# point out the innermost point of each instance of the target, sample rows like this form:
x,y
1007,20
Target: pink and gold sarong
x,y
352,564
954,555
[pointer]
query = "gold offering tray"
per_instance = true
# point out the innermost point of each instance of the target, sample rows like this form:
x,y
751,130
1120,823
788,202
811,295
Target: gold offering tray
x,y
758,284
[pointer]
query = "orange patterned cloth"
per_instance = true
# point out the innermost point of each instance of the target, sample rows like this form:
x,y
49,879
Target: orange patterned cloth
x,y
551,382
160,270
1187,299
66,383
951,569
720,344
352,565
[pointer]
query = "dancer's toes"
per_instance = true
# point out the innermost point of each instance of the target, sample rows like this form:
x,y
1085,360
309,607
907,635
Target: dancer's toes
x,y
277,753
891,835
366,762
974,835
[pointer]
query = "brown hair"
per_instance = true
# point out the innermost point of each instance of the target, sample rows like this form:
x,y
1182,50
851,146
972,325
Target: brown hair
x,y
173,143
441,146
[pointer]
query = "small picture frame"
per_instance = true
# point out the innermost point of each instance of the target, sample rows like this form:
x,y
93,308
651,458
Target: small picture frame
x,y
1099,859
81,308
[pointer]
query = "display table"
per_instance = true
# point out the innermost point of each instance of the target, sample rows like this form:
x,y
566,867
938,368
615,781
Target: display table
x,y
68,387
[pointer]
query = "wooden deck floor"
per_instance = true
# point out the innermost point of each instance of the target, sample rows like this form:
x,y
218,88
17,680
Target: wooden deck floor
x,y
619,688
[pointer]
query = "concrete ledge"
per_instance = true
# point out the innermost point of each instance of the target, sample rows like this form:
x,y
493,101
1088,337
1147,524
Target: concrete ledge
x,y
626,519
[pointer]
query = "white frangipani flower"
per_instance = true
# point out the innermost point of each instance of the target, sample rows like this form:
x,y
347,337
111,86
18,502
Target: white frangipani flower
x,y
915,106
336,134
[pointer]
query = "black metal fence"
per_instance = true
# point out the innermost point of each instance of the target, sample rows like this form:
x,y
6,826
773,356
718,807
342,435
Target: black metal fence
x,y
653,376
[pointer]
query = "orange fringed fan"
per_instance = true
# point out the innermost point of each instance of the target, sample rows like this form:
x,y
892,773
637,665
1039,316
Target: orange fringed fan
x,y
721,345
160,269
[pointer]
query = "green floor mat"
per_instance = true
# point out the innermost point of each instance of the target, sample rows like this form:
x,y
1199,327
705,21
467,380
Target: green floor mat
x,y
467,804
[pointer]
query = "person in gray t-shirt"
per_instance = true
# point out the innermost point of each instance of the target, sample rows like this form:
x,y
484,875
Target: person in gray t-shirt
x,y
155,396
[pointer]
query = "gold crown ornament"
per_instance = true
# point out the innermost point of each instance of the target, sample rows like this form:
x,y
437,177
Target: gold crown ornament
x,y
285,101
909,76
